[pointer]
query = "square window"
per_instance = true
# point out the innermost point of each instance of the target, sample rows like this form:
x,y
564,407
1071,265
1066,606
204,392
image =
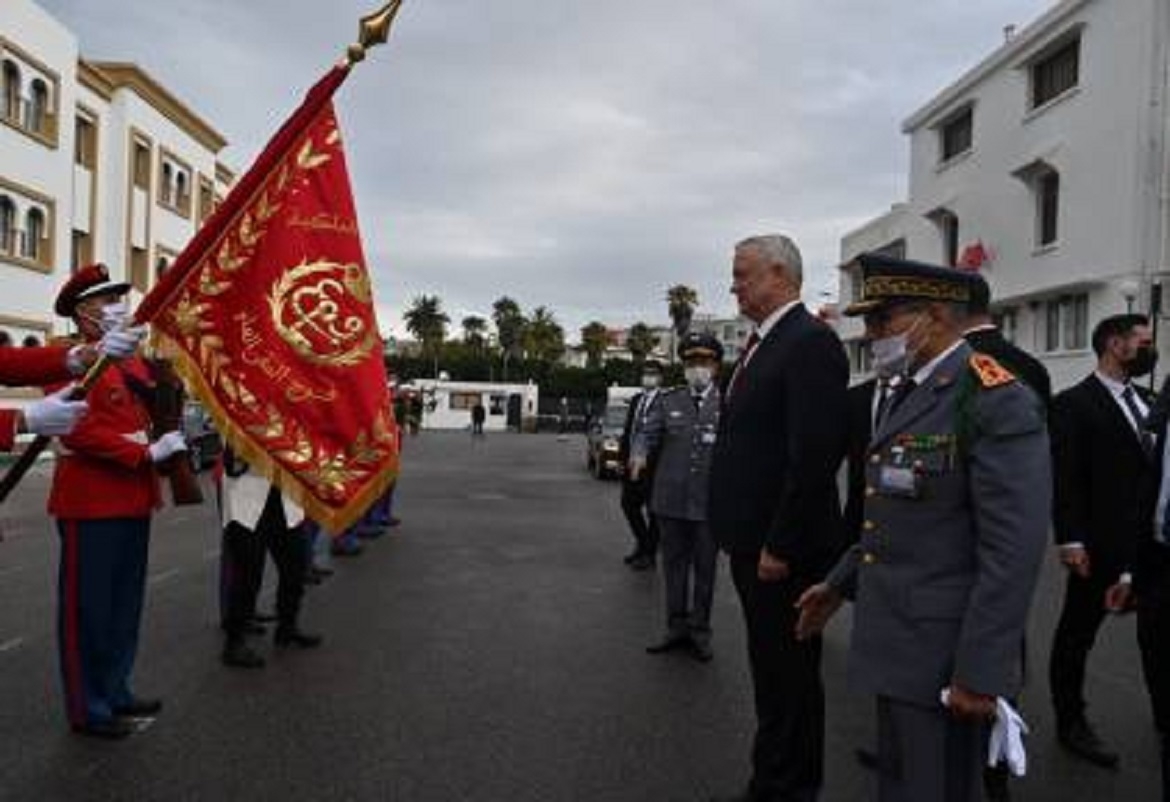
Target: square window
x,y
956,136
1056,73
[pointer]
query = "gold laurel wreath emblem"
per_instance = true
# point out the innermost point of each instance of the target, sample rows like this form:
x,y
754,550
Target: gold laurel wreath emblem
x,y
308,312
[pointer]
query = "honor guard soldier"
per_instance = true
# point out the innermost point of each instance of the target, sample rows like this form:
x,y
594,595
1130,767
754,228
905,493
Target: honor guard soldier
x,y
104,491
678,436
955,521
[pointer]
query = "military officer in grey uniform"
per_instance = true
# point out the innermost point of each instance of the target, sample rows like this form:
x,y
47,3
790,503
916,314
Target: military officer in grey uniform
x,y
678,436
955,524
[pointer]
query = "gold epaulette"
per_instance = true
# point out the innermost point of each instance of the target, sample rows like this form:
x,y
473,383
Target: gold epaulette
x,y
990,372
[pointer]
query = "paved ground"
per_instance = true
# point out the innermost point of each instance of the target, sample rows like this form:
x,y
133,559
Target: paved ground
x,y
490,650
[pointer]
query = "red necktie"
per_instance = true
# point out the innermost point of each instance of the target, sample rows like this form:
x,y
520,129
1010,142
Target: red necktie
x,y
737,376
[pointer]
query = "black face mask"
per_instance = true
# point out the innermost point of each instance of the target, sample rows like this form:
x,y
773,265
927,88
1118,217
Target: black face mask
x,y
1142,362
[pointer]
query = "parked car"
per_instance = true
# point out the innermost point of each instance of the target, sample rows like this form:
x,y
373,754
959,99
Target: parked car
x,y
604,442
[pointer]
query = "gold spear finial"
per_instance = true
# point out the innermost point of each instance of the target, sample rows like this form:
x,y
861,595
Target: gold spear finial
x,y
373,30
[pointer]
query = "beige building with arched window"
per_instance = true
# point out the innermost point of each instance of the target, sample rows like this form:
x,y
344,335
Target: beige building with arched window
x,y
98,162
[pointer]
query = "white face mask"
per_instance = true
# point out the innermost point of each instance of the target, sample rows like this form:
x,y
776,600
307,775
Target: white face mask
x,y
110,317
892,355
650,381
699,377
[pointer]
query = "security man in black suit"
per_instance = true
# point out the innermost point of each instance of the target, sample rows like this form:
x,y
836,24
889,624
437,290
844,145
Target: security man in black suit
x,y
1151,587
985,337
1105,489
636,486
774,506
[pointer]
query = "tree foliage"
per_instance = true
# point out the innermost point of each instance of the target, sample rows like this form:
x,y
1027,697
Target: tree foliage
x,y
427,321
640,342
594,338
681,301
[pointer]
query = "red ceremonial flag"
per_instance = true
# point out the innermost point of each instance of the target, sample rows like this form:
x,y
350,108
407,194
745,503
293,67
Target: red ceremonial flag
x,y
269,317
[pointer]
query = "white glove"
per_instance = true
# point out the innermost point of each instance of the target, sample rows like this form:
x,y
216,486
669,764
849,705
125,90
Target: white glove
x,y
1006,744
122,342
54,414
167,446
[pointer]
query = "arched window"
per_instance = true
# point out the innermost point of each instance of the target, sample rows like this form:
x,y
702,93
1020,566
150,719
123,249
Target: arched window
x,y
7,225
38,105
34,232
181,190
168,177
11,90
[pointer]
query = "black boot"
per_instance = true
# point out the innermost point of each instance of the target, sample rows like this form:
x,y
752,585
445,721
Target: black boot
x,y
290,635
238,654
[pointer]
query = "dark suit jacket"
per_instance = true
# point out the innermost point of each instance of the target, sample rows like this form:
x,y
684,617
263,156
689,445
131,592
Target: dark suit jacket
x,y
782,436
1151,572
860,401
1104,485
991,341
625,442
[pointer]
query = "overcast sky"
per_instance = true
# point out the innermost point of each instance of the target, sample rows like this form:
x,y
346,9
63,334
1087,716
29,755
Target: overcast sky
x,y
580,155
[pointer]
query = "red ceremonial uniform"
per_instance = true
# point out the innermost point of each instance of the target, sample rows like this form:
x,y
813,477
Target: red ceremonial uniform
x,y
24,367
104,469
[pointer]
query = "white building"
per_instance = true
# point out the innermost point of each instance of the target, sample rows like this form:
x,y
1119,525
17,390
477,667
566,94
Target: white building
x,y
448,404
732,332
1045,166
98,162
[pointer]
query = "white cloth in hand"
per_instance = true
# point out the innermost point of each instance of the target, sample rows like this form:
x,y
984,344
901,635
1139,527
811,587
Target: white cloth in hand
x,y
1006,744
167,446
122,342
55,414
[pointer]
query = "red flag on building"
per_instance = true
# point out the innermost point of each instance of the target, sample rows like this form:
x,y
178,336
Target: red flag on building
x,y
269,317
974,256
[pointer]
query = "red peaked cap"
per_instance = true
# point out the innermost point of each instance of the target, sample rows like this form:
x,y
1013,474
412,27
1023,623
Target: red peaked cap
x,y
87,282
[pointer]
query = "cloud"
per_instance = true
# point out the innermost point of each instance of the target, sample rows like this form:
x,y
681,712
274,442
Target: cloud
x,y
582,156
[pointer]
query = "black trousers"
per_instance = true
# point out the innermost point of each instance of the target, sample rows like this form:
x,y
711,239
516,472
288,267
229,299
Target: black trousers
x,y
788,750
635,498
244,551
1153,630
1080,619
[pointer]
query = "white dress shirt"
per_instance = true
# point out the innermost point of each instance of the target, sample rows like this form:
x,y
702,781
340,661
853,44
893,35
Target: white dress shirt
x,y
1115,389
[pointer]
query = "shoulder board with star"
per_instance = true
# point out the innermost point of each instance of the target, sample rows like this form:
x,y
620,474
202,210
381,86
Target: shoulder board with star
x,y
990,372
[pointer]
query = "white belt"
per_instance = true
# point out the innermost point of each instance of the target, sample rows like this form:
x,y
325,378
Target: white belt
x,y
140,437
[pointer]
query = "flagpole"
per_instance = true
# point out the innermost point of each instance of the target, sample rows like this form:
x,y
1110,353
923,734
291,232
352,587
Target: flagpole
x,y
373,30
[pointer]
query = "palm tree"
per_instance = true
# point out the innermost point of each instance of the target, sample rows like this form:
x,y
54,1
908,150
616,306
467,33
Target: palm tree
x,y
510,326
594,338
681,301
640,341
475,333
427,321
544,337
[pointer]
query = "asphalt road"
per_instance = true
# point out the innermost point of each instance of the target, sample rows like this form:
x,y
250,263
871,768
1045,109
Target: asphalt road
x,y
491,649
